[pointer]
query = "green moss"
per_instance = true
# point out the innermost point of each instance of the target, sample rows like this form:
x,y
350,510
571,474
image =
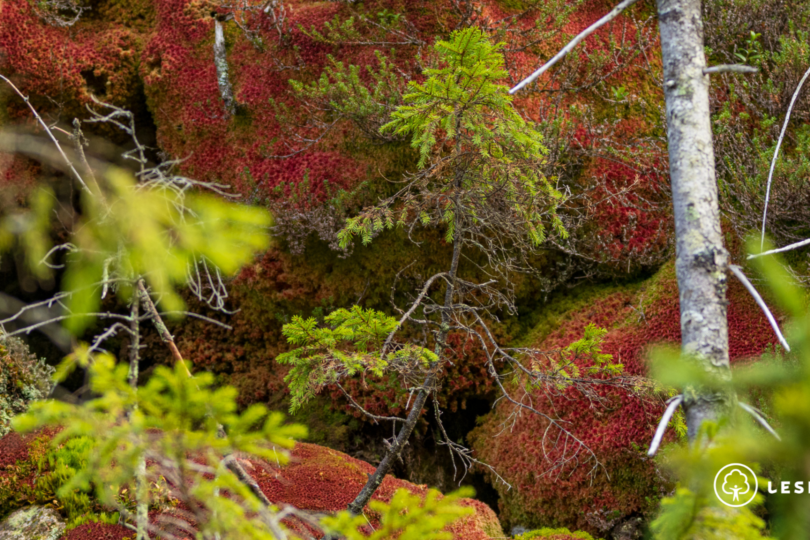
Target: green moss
x,y
327,426
38,479
554,534
550,316
14,490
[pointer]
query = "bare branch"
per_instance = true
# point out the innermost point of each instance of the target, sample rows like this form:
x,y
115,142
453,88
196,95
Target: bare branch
x,y
789,247
198,316
662,425
416,303
737,271
160,326
357,406
108,333
573,43
759,418
29,315
776,154
47,130
464,453
730,68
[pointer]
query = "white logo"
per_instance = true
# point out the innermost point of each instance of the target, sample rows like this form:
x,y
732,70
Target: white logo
x,y
735,485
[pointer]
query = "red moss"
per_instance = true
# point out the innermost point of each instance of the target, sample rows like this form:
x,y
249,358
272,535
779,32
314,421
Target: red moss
x,y
171,55
15,447
19,456
99,531
17,177
323,480
617,430
67,64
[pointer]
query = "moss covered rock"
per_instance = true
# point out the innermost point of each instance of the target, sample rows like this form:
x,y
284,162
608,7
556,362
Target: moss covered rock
x,y
554,534
33,523
319,479
555,481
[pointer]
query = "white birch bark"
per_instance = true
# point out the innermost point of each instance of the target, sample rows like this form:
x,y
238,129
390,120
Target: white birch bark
x,y
221,62
702,261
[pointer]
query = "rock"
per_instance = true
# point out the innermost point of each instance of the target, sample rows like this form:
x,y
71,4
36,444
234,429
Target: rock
x,y
631,528
32,523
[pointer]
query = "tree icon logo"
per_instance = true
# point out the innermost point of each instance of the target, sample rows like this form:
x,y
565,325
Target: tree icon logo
x,y
735,485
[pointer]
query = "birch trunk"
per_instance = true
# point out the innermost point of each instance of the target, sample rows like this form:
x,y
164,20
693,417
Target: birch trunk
x,y
702,260
221,63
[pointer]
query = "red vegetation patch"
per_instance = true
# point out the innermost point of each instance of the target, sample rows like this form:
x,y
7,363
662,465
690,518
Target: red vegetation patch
x,y
618,430
631,227
67,64
15,447
99,531
170,55
17,177
323,480
18,470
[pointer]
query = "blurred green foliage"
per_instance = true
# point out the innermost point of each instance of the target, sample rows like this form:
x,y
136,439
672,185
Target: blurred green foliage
x,y
171,428
407,517
172,422
57,468
128,231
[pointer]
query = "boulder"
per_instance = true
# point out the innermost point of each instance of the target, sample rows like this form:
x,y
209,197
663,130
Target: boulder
x,y
32,523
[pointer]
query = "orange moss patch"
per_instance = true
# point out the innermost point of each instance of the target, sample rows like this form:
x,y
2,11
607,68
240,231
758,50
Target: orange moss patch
x,y
323,480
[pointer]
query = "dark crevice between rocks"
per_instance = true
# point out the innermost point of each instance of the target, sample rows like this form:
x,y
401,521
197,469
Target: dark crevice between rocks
x,y
96,83
425,460
18,284
145,127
